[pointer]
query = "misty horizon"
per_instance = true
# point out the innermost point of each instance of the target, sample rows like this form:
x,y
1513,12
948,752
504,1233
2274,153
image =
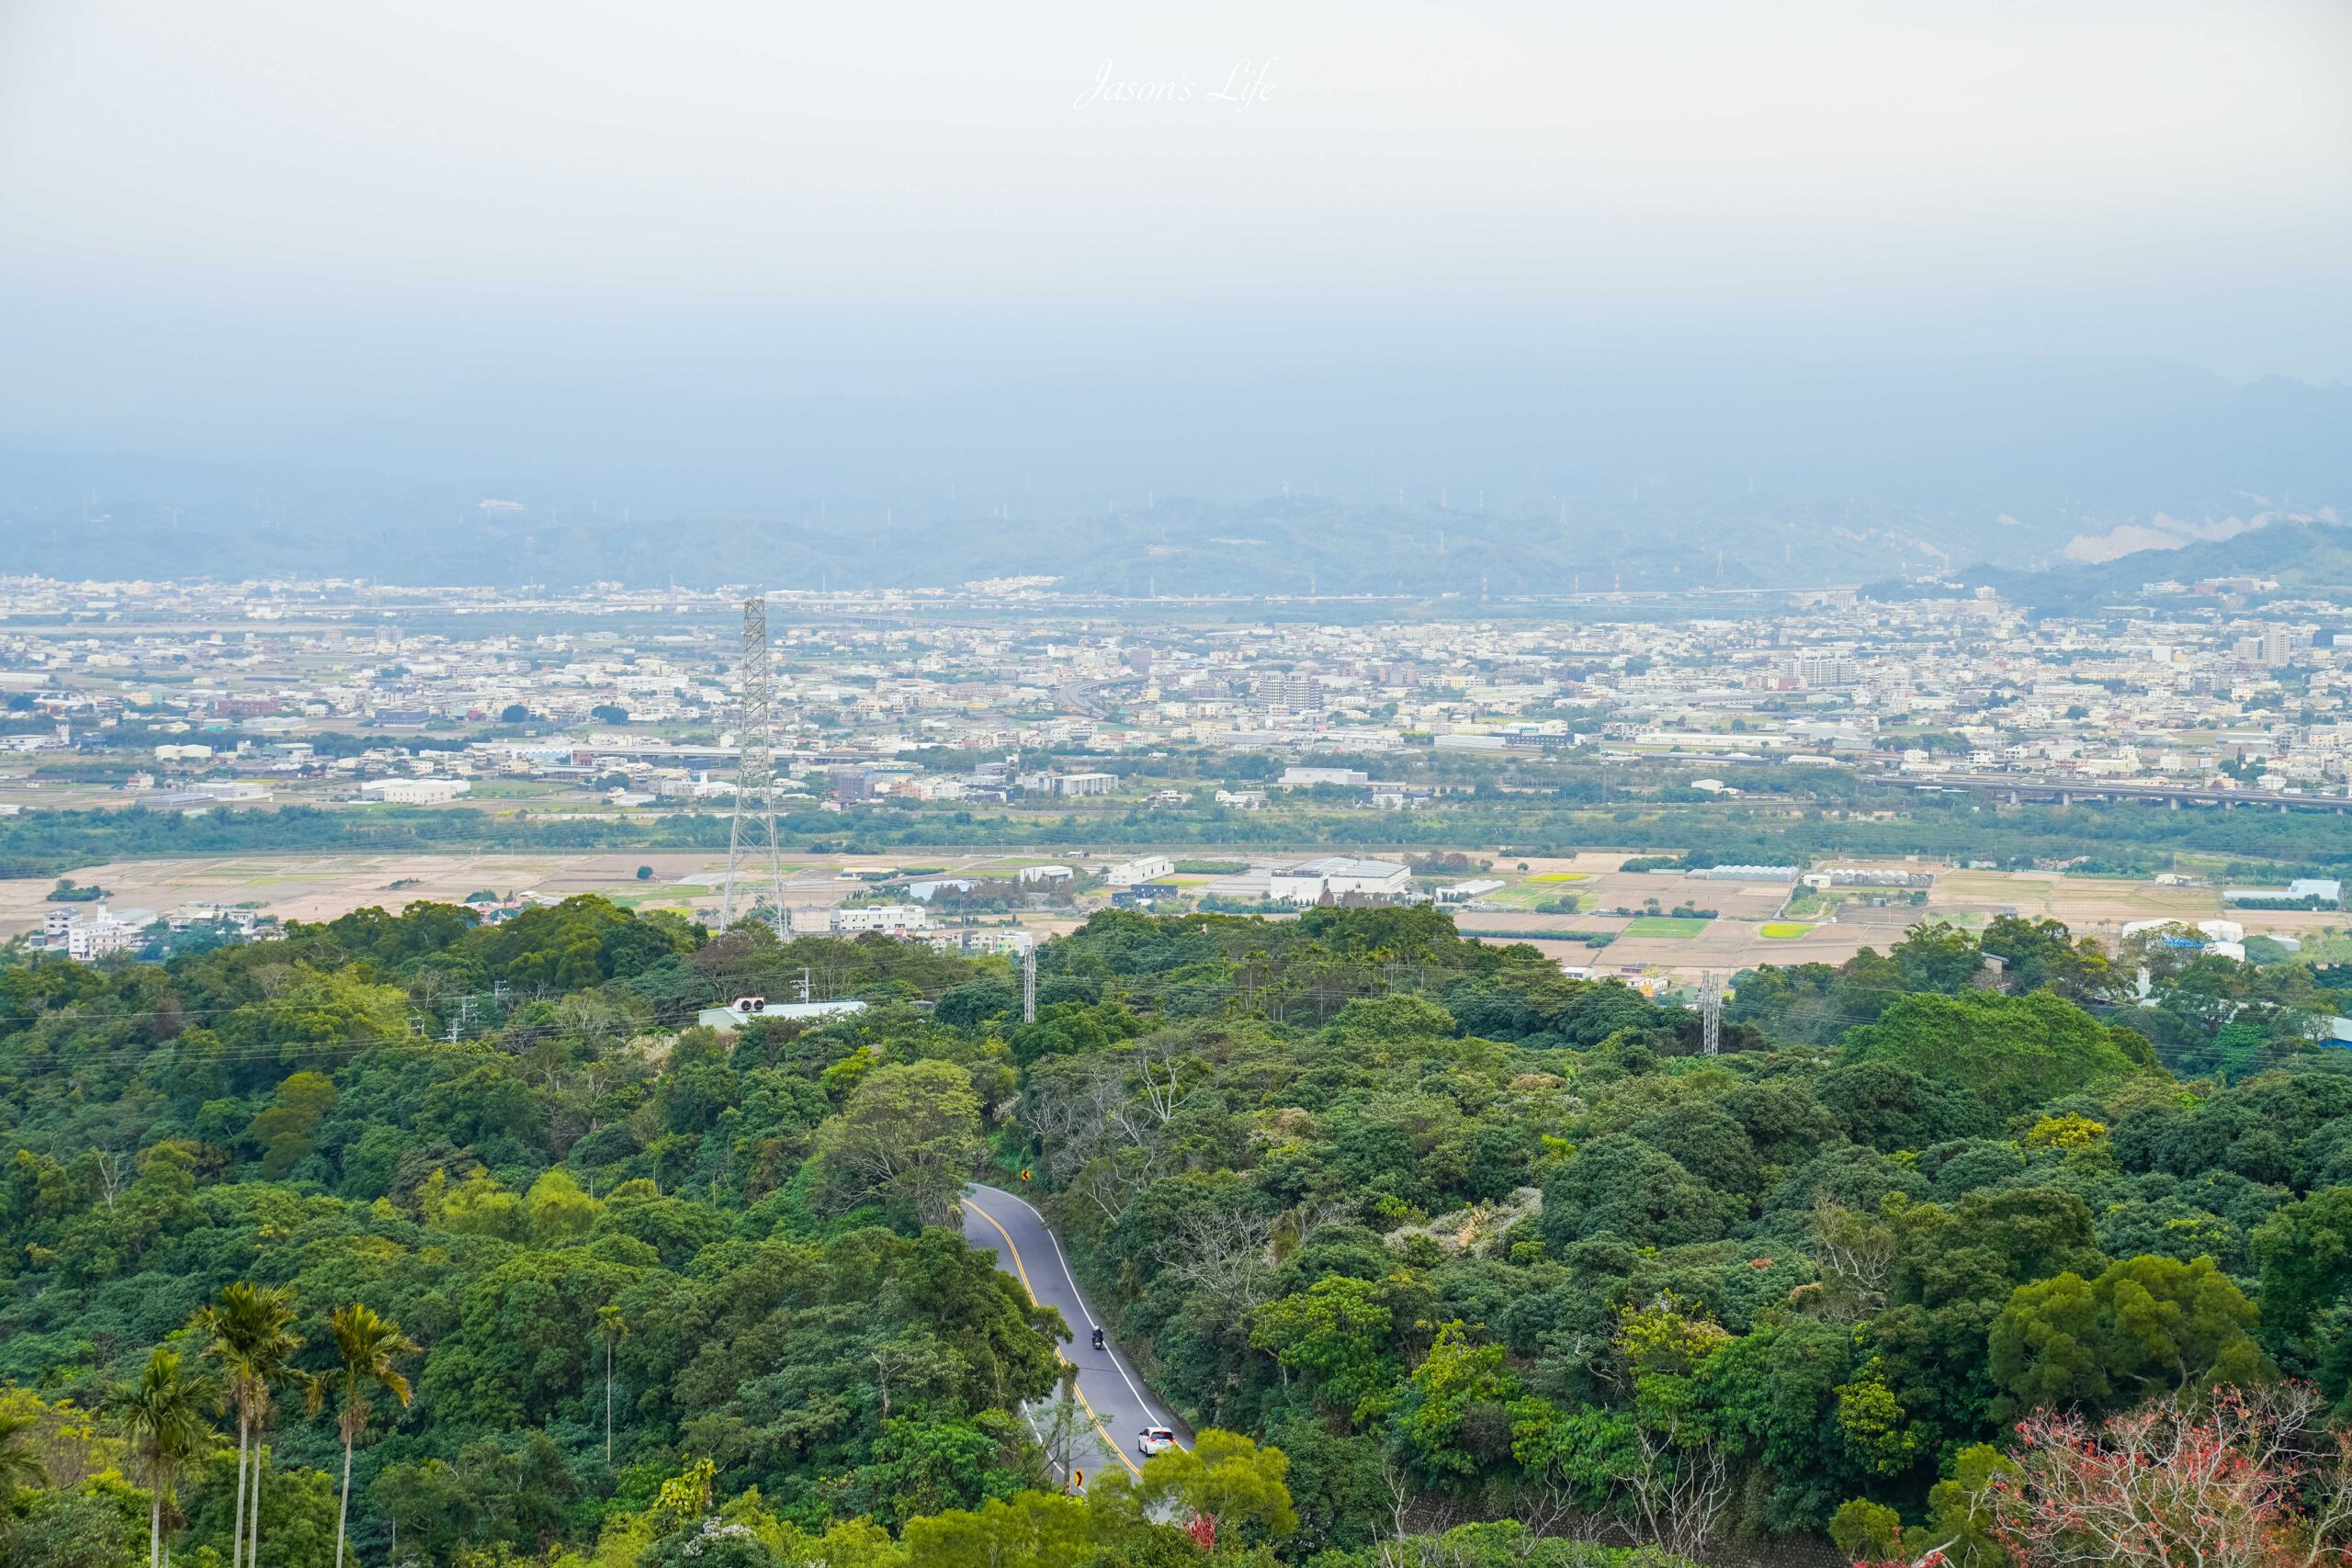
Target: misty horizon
x,y
735,260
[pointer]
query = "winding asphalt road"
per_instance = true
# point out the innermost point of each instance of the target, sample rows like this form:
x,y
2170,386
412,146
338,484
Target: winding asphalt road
x,y
1109,1390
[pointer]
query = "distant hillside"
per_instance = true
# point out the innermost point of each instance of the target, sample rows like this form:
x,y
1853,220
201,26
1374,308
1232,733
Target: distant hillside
x,y
1518,482
2306,558
1283,544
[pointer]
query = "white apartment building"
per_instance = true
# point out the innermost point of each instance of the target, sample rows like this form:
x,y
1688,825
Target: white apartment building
x,y
1068,784
86,935
981,941
890,920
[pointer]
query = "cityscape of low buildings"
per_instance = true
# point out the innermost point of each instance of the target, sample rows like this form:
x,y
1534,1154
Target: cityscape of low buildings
x,y
2191,690
888,705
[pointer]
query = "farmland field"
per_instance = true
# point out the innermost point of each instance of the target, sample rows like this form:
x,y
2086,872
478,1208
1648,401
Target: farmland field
x,y
1556,895
1679,927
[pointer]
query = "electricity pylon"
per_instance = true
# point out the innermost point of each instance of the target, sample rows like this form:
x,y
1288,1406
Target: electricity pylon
x,y
754,858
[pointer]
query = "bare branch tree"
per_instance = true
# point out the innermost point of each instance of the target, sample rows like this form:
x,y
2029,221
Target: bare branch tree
x,y
1063,1427
1856,1254
113,1173
1102,1117
1226,1253
1680,1491
1414,1518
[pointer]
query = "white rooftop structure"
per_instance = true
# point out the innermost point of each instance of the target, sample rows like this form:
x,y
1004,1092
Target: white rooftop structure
x,y
742,1012
1307,881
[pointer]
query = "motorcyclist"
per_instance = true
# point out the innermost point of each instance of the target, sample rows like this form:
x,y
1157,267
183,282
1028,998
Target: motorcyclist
x,y
1098,1336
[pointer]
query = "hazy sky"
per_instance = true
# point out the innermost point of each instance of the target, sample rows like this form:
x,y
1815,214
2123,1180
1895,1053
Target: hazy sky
x,y
248,224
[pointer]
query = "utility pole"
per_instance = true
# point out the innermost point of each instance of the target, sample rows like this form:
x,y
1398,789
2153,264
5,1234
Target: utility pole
x,y
1029,984
1710,1017
754,858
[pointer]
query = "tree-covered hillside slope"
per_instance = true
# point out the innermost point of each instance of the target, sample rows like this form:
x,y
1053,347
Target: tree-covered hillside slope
x,y
1450,1258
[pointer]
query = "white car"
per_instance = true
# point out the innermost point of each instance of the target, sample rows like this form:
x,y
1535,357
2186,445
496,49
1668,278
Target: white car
x,y
1155,1441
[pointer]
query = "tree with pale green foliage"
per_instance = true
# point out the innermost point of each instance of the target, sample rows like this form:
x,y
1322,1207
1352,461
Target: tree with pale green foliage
x,y
1335,1333
1224,1479
2145,1326
1037,1529
284,1132
1866,1532
1453,1414
2012,1052
907,1138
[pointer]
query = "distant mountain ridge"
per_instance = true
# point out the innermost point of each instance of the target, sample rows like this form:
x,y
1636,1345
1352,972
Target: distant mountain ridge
x,y
2307,557
1519,482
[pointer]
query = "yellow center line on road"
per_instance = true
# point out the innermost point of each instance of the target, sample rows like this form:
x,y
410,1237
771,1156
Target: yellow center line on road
x,y
1020,1271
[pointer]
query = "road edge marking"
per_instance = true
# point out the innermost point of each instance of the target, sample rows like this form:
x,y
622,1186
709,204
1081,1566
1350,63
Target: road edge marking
x,y
1059,1256
1020,1270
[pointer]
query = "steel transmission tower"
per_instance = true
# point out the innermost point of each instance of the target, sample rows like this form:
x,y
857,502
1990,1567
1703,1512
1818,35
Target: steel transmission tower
x,y
1710,1017
1029,983
754,858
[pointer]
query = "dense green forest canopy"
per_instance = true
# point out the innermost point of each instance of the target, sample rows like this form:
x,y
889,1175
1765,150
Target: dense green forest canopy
x,y
1417,1230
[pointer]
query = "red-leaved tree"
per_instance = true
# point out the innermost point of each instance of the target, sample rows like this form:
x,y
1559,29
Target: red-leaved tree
x,y
2241,1478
